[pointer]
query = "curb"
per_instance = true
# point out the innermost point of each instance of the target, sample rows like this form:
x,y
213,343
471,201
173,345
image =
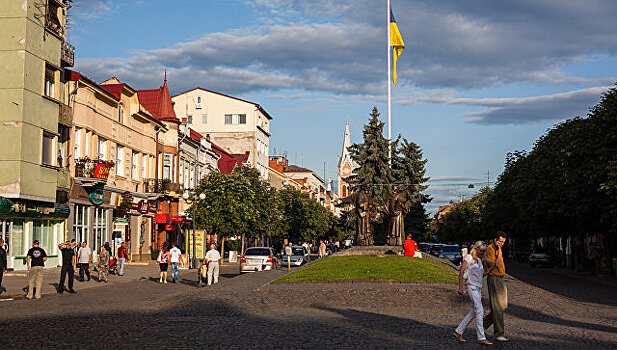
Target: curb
x,y
366,282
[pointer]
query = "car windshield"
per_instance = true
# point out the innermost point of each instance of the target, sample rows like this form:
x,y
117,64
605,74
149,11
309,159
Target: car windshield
x,y
450,249
257,251
540,250
297,251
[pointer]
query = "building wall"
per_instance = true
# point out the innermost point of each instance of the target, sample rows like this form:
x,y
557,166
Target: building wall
x,y
235,138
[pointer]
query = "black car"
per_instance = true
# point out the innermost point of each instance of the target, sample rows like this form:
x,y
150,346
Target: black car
x,y
425,247
452,253
436,249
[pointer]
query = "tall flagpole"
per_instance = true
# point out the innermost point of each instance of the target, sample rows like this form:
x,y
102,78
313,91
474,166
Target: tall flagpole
x,y
389,89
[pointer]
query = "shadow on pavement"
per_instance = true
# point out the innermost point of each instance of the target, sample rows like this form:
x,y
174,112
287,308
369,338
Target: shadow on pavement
x,y
577,289
537,316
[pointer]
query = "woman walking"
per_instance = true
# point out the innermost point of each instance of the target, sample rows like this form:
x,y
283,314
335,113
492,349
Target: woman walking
x,y
473,271
163,260
103,265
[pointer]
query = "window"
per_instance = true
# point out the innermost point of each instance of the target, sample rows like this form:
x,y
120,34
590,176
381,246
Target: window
x,y
101,149
235,118
80,226
77,151
63,145
50,81
48,148
43,232
198,103
120,111
100,228
87,148
134,164
189,119
204,119
181,174
144,166
119,158
167,166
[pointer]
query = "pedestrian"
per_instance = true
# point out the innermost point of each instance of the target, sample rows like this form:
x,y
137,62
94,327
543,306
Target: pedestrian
x,y
307,247
163,261
3,264
122,258
35,262
410,246
68,266
497,291
84,258
322,249
103,265
212,259
472,270
108,248
174,259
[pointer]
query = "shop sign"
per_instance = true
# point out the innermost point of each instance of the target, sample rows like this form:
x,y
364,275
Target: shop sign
x,y
101,171
121,221
142,206
97,196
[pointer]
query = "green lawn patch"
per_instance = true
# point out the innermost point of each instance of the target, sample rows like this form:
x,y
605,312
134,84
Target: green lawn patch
x,y
371,267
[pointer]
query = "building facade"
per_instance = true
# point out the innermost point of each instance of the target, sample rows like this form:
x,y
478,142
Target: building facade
x,y
237,125
34,181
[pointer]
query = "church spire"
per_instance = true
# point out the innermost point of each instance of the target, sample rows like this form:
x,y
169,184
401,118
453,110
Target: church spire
x,y
346,144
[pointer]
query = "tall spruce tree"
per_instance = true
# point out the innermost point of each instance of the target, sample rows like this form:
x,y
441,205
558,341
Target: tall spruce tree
x,y
372,159
408,169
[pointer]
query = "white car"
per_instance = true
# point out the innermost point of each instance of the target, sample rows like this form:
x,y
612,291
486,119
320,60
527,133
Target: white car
x,y
258,259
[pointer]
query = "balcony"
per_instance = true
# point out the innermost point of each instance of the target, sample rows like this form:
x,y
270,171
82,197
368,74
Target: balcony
x,y
89,172
161,186
67,54
66,115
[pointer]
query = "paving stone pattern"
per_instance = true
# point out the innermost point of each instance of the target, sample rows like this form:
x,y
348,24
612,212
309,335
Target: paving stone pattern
x,y
245,312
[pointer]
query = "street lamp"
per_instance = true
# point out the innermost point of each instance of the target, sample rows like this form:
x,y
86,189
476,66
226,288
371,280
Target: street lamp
x,y
186,196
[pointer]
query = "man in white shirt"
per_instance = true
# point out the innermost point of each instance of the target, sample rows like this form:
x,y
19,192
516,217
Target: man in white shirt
x,y
212,259
84,257
174,260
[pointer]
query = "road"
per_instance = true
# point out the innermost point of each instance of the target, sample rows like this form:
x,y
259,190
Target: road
x,y
245,312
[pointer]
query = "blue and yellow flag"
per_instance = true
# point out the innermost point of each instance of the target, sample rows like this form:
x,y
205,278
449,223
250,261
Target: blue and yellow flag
x,y
396,41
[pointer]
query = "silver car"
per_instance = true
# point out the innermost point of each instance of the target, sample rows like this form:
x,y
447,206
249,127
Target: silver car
x,y
299,256
258,259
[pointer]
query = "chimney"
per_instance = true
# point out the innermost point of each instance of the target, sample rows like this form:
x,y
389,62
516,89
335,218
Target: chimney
x,y
208,137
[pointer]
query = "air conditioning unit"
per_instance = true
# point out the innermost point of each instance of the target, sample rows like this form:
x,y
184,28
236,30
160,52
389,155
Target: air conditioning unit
x,y
197,105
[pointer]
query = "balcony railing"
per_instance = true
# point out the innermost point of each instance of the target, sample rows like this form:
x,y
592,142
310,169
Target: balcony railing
x,y
93,169
161,186
67,54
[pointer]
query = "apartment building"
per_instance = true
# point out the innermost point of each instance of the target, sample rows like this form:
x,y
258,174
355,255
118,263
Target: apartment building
x,y
237,125
35,124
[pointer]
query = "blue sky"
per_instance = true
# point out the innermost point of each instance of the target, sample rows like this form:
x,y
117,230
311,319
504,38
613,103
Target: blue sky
x,y
478,79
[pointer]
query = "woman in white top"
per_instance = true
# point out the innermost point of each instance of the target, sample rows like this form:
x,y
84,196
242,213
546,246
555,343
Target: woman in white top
x,y
473,271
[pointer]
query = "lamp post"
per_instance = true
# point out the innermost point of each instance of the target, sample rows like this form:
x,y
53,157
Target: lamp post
x,y
187,197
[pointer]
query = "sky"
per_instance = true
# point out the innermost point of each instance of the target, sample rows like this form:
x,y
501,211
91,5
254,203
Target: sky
x,y
477,79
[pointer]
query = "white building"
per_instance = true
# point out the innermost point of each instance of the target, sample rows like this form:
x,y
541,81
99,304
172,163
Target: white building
x,y
234,124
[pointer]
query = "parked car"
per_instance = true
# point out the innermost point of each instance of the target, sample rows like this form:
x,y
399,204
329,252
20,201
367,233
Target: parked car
x,y
299,256
540,256
425,247
436,249
452,253
259,259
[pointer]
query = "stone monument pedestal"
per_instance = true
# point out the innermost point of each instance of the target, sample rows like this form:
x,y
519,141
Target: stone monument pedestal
x,y
372,250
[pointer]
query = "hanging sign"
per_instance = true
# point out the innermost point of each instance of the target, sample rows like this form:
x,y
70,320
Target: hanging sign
x,y
97,196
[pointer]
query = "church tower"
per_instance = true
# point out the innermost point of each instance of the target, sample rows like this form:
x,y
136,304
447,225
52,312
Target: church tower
x,y
345,164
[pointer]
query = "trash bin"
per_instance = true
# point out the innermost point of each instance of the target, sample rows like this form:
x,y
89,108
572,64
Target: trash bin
x,y
233,256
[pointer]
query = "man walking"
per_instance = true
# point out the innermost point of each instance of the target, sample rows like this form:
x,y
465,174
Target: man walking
x,y
174,260
84,258
212,259
35,261
497,292
322,249
68,265
122,258
3,264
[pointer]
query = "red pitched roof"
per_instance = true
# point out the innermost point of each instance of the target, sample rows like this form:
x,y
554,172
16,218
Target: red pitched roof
x,y
242,157
114,89
195,135
227,162
158,102
72,75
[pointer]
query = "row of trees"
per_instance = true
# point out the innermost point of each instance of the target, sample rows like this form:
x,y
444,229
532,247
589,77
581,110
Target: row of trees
x,y
405,169
565,186
241,203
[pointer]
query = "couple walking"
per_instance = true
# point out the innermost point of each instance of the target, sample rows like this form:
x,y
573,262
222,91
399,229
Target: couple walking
x,y
472,271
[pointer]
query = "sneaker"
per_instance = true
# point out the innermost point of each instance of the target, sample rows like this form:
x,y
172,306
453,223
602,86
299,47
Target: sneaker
x,y
502,338
165,281
459,337
484,342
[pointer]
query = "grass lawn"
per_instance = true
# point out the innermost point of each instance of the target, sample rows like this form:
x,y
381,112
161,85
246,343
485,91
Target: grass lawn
x,y
371,267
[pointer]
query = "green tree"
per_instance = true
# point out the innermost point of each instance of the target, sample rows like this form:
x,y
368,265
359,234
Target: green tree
x,y
465,221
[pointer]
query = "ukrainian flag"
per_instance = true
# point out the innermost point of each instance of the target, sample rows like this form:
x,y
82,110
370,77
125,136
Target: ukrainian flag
x,y
396,41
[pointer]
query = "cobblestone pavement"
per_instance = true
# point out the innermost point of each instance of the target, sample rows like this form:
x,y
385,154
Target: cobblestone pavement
x,y
246,312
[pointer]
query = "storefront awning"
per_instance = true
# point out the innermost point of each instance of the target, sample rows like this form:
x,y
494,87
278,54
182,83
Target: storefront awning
x,y
26,209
